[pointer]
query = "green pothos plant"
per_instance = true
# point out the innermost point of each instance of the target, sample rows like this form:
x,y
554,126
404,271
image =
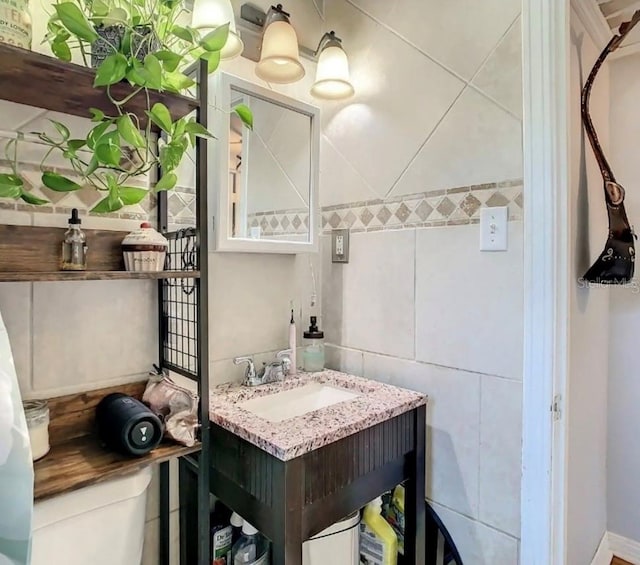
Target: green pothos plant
x,y
148,51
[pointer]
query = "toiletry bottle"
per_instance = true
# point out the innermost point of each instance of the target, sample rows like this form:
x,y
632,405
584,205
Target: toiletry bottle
x,y
221,535
313,356
74,246
395,516
378,541
293,344
252,548
236,526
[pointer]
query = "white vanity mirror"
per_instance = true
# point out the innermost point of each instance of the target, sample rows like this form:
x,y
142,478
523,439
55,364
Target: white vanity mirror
x,y
265,179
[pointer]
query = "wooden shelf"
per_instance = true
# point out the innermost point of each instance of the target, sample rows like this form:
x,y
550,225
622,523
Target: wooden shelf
x,y
95,276
32,253
81,462
45,82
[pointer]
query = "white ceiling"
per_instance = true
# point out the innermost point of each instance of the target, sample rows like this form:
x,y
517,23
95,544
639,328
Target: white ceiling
x,y
618,11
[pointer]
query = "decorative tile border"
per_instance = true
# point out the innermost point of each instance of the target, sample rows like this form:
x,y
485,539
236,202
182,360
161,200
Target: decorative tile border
x,y
180,201
437,208
280,222
83,200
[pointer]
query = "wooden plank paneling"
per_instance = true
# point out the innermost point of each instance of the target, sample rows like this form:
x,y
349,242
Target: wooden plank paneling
x,y
63,276
77,458
248,466
37,80
331,468
38,249
82,461
31,253
73,415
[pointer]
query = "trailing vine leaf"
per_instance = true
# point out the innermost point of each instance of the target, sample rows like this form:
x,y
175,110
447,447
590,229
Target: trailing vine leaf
x,y
167,182
62,129
107,205
73,145
99,8
161,116
135,74
31,199
152,72
131,194
216,39
213,60
179,127
194,129
108,149
10,186
61,50
177,81
92,167
75,21
116,16
96,133
169,59
129,131
96,114
183,33
171,155
58,183
112,70
245,114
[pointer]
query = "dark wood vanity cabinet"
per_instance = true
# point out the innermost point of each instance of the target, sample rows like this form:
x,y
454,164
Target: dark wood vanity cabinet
x,y
291,501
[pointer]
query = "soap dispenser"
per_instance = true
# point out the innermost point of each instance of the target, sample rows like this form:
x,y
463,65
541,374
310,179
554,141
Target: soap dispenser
x,y
313,356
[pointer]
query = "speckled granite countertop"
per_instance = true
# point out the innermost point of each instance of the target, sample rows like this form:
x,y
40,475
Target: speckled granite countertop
x,y
296,436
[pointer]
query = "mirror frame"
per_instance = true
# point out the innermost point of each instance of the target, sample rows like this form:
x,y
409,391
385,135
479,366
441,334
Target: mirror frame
x,y
218,172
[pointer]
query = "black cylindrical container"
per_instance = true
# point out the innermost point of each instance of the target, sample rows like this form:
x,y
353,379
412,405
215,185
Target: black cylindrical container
x,y
126,425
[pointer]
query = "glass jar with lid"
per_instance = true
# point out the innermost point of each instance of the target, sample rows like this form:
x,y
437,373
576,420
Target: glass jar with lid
x,y
37,415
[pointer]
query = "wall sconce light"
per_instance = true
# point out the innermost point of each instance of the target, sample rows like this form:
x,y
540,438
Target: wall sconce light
x,y
332,75
207,15
280,57
271,41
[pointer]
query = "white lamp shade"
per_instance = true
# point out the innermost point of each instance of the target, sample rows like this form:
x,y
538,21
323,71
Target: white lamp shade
x,y
280,59
332,75
210,14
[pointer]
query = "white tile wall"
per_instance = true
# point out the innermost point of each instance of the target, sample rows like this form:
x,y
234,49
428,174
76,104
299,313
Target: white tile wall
x,y
500,453
468,303
478,543
453,419
478,140
459,35
346,360
15,305
92,332
438,106
501,75
385,126
374,294
405,295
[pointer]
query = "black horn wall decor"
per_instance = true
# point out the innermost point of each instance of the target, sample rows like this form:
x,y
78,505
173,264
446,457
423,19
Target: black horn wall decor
x,y
616,263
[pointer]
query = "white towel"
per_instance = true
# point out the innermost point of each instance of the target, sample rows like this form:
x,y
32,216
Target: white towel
x,y
16,466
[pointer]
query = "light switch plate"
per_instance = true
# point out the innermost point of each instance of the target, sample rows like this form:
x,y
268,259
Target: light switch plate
x,y
340,246
494,223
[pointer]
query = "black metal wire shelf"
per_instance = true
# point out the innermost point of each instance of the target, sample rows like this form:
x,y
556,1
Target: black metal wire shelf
x,y
179,305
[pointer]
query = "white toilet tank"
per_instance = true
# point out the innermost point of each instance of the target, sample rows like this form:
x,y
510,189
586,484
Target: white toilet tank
x,y
101,524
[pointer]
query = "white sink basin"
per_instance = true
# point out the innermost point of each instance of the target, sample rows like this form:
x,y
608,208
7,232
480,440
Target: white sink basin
x,y
297,401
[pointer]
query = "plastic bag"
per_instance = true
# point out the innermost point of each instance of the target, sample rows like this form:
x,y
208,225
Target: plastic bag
x,y
176,406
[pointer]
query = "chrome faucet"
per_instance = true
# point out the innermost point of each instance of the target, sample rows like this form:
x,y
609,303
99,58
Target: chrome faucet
x,y
273,372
